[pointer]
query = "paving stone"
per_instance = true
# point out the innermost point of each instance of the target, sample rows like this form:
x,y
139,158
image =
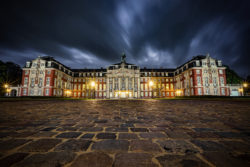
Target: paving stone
x,y
203,129
111,145
125,125
144,145
74,145
7,134
51,159
225,159
7,145
93,159
128,136
67,128
152,135
139,129
69,135
88,136
230,135
24,134
91,129
181,160
177,146
116,129
41,145
208,145
44,134
236,146
133,160
106,136
203,135
101,121
177,134
48,129
12,159
158,129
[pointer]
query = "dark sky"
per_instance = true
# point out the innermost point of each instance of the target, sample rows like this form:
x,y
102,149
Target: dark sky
x,y
152,33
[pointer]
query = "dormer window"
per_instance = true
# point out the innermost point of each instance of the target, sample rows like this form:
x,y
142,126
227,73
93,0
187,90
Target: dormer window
x,y
27,64
129,66
197,63
116,66
49,64
219,63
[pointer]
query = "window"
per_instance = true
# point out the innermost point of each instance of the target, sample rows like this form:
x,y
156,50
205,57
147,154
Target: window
x,y
172,86
214,81
199,91
24,91
47,81
39,92
190,72
215,91
31,91
219,63
40,82
207,91
142,94
222,80
206,81
46,92
28,64
221,71
197,71
32,82
25,81
79,87
223,91
191,82
197,63
26,72
49,64
48,72
198,80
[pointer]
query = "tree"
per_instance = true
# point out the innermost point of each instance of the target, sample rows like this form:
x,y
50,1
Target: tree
x,y
233,77
11,74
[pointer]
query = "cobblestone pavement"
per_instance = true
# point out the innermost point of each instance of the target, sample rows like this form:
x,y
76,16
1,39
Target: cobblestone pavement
x,y
139,133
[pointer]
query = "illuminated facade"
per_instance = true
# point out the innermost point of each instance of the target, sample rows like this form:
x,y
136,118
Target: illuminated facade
x,y
202,75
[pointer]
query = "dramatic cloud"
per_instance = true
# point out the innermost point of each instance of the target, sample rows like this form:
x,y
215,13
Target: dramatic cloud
x,y
153,33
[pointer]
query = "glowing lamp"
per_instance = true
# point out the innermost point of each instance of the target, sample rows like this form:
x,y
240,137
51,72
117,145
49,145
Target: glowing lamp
x,y
151,83
92,83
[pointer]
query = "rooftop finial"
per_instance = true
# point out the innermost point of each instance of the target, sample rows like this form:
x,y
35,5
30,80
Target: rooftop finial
x,y
123,59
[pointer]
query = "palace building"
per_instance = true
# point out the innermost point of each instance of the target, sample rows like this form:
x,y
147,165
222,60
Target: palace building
x,y
202,75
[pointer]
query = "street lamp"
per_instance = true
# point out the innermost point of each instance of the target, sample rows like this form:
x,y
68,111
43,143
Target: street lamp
x,y
92,84
245,85
6,86
151,84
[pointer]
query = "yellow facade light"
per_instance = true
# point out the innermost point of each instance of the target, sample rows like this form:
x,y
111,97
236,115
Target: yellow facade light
x,y
92,83
8,90
240,89
6,85
245,85
151,83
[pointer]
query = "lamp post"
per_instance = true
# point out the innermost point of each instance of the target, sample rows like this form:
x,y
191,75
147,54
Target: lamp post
x,y
6,86
151,84
92,84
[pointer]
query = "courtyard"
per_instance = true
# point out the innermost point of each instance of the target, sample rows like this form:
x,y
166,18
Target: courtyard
x,y
124,133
